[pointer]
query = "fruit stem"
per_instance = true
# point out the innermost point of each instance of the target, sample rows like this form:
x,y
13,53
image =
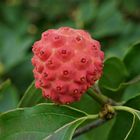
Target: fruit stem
x,y
100,98
96,88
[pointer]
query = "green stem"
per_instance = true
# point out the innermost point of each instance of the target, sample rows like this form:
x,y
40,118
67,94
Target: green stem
x,y
96,88
124,108
98,97
94,116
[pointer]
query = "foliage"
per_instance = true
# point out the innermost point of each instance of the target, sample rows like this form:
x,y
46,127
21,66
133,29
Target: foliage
x,y
25,114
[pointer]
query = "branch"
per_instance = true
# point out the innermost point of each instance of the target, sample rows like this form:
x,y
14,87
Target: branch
x,y
88,127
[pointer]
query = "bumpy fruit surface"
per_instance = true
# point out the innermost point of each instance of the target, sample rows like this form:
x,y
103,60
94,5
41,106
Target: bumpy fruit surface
x,y
66,63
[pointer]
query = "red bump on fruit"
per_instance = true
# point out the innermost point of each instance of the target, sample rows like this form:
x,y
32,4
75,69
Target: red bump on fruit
x,y
65,99
60,87
39,67
80,78
66,63
58,41
66,31
48,35
64,53
66,73
48,75
36,47
44,53
46,93
91,78
82,61
52,63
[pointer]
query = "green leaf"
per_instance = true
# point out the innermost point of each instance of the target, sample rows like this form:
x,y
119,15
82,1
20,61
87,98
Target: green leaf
x,y
120,45
114,74
31,97
134,102
133,133
85,104
8,96
121,126
132,62
36,122
66,132
131,91
129,122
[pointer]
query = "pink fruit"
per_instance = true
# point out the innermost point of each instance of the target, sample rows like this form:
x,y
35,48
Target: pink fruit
x,y
66,63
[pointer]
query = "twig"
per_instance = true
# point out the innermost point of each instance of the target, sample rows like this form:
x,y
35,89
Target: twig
x,y
88,127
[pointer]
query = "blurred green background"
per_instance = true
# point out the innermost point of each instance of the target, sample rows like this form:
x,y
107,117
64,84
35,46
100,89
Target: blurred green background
x,y
115,23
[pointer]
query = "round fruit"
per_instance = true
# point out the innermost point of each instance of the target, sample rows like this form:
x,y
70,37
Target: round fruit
x,y
66,63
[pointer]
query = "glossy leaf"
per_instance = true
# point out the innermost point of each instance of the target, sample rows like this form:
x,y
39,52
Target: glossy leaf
x,y
87,104
114,74
66,132
121,44
31,97
128,121
135,128
133,133
37,122
132,62
134,102
123,122
131,91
